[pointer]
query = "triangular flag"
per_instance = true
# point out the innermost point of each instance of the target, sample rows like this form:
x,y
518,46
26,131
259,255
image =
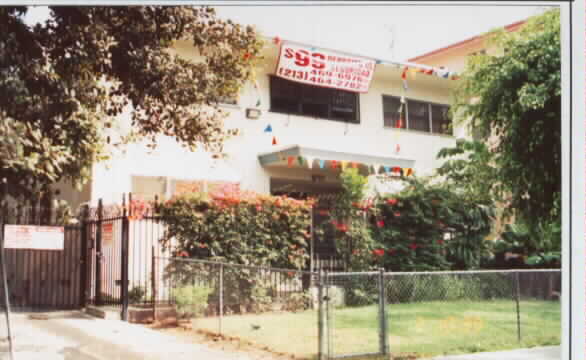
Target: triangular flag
x,y
404,171
290,161
387,169
322,163
400,123
376,168
334,164
396,169
269,128
300,160
274,140
409,171
343,163
309,161
404,74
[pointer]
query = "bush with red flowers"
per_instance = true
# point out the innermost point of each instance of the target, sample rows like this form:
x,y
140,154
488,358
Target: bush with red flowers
x,y
239,227
430,227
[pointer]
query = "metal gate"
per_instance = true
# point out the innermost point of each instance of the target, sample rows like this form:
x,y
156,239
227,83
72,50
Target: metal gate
x,y
43,279
351,297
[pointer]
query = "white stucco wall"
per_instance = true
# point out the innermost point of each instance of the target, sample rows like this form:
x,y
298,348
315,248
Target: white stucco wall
x,y
113,178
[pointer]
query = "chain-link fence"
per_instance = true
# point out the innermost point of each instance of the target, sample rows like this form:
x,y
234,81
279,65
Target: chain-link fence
x,y
272,308
341,315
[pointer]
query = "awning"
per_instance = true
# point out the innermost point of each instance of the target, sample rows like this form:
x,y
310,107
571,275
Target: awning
x,y
289,157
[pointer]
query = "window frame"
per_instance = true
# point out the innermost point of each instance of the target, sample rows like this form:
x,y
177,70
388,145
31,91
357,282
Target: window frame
x,y
429,104
299,102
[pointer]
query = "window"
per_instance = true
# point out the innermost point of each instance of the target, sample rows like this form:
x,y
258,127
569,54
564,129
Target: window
x,y
290,97
420,115
391,105
162,187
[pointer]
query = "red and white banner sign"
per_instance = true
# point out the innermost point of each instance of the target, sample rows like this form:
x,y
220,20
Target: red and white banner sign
x,y
324,68
34,237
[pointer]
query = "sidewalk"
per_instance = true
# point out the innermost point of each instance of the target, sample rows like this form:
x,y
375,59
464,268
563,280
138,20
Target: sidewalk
x,y
77,336
539,353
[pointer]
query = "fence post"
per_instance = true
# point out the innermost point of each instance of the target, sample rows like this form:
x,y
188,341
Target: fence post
x,y
221,298
124,259
98,283
83,278
517,300
3,269
383,330
321,319
154,282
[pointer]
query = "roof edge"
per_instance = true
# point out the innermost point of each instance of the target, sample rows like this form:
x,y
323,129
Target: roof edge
x,y
511,27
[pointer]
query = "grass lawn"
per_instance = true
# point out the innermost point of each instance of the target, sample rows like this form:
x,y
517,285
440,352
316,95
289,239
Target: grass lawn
x,y
427,329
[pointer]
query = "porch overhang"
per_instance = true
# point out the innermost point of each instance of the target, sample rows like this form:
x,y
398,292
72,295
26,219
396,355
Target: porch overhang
x,y
280,158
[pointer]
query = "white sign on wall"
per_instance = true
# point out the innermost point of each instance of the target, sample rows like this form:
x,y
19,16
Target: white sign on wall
x,y
34,237
325,68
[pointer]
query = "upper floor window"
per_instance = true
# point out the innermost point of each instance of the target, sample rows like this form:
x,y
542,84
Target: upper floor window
x,y
290,97
419,115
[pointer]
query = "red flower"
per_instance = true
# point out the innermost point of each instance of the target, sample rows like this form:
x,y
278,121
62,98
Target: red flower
x,y
183,254
380,223
413,246
378,252
258,208
247,56
391,201
397,214
441,241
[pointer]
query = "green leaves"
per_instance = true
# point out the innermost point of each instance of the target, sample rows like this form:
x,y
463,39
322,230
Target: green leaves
x,y
513,103
65,81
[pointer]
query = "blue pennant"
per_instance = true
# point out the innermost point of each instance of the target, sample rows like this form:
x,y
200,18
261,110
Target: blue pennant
x,y
322,163
387,169
269,128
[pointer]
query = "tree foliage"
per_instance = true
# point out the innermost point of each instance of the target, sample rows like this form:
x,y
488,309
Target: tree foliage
x,y
513,100
68,79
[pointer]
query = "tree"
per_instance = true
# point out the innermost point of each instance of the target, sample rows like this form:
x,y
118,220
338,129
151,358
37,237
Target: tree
x,y
514,103
65,81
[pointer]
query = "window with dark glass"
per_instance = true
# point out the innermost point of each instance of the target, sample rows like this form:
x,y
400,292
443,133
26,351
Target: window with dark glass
x,y
440,121
420,115
300,99
391,115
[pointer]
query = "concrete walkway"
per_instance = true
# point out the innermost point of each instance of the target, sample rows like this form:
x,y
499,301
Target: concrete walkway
x,y
77,336
538,353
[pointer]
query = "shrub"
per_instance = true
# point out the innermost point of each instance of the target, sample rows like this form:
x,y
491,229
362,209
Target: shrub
x,y
239,227
136,295
427,227
191,300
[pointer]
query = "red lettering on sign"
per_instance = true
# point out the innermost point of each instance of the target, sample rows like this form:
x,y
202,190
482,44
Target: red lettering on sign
x,y
316,63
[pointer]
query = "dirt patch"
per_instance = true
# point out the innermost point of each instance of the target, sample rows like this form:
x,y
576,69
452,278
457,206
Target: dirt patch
x,y
236,345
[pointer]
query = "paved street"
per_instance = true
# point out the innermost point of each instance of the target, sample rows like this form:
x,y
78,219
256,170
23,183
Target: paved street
x,y
77,336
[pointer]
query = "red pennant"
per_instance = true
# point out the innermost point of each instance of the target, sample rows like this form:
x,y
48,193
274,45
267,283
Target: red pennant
x,y
290,161
274,140
396,169
404,74
354,165
334,164
400,123
429,72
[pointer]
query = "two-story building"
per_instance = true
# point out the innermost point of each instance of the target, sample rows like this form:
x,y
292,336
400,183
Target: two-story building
x,y
295,137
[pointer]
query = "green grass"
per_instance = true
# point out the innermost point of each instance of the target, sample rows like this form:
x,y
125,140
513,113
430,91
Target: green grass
x,y
427,329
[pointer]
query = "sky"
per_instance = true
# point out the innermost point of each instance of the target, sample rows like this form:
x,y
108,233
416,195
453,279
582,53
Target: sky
x,y
390,32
